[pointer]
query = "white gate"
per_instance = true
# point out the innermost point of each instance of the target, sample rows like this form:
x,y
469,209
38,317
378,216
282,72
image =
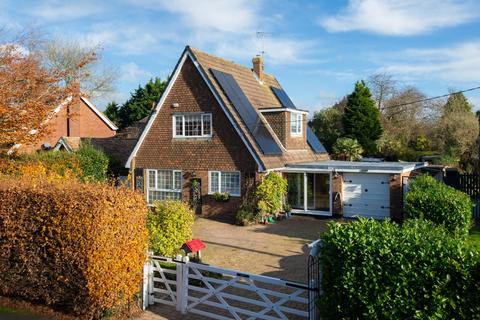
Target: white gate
x,y
220,293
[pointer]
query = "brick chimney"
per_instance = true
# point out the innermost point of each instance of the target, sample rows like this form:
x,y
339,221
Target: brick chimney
x,y
258,66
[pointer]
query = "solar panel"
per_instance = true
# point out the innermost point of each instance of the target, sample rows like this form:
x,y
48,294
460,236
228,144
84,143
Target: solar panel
x,y
283,97
247,112
314,143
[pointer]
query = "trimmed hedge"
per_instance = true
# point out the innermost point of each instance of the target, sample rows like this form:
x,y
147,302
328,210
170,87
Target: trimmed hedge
x,y
70,245
374,270
170,225
86,164
435,201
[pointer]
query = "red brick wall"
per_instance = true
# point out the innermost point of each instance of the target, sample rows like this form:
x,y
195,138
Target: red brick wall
x,y
224,151
84,123
396,196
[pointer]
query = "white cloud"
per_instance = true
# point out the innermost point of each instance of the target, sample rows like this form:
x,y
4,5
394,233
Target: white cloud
x,y
456,63
278,51
220,15
128,38
401,18
132,73
55,10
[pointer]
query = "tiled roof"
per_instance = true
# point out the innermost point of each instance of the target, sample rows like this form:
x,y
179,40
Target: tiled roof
x,y
260,96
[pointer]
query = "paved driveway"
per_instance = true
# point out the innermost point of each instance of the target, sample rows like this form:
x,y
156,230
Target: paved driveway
x,y
277,250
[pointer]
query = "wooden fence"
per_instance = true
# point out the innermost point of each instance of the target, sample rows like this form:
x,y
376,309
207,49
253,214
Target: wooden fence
x,y
468,183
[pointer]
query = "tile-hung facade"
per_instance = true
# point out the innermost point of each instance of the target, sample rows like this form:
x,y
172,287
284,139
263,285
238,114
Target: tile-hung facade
x,y
219,127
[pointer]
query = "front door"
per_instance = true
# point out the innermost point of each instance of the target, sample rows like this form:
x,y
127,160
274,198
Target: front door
x,y
309,192
196,195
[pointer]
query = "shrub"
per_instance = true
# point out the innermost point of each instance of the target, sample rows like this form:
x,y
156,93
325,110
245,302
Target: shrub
x,y
86,164
245,215
271,193
78,247
93,161
170,225
432,200
348,149
374,270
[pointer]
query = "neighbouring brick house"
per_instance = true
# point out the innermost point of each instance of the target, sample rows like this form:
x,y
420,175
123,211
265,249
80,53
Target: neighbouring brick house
x,y
221,126
80,119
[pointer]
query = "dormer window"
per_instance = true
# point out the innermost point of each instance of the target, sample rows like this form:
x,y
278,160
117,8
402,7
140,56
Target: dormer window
x,y
296,124
192,125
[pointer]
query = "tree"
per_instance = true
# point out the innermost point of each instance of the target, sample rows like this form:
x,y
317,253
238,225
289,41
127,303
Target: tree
x,y
30,91
383,87
111,111
327,125
348,149
95,79
458,126
141,102
457,102
361,119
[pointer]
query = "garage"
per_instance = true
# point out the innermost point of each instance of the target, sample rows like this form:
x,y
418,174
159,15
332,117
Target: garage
x,y
366,194
370,189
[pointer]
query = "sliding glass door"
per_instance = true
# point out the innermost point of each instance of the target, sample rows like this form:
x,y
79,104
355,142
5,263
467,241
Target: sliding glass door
x,y
309,191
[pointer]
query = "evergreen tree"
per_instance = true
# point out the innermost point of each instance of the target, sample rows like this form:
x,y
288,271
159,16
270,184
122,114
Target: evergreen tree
x,y
111,111
327,125
361,120
457,102
141,102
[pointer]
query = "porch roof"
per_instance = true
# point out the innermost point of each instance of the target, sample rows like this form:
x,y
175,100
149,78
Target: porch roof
x,y
353,166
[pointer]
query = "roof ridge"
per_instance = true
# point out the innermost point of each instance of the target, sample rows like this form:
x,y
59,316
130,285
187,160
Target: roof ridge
x,y
195,50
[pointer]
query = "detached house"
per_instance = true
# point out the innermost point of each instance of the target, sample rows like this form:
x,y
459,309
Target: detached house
x,y
81,118
220,126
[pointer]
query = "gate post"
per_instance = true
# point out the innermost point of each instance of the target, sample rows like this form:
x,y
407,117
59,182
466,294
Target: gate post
x,y
147,297
179,283
182,303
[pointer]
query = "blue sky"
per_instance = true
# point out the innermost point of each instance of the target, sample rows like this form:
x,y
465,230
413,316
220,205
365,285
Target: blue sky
x,y
317,49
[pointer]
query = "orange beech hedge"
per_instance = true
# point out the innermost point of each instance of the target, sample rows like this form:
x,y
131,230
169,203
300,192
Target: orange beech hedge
x,y
79,247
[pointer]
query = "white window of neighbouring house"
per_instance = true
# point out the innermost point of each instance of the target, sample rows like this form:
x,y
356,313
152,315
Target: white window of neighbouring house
x,y
224,181
164,184
195,125
295,124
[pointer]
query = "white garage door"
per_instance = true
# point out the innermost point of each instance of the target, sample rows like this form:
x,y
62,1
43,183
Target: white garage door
x,y
366,194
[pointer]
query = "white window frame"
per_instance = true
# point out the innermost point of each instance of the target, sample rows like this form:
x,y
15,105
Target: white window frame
x,y
210,191
156,183
299,121
202,116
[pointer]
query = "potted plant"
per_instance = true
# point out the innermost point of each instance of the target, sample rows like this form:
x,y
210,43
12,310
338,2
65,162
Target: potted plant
x,y
221,196
288,210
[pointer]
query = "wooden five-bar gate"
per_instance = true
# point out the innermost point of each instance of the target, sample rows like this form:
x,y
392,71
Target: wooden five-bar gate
x,y
219,293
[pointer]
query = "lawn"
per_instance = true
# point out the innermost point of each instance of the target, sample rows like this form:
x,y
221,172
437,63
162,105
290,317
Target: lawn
x,y
474,237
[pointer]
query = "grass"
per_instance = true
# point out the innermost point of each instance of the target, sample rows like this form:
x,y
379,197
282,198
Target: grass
x,y
474,237
7,310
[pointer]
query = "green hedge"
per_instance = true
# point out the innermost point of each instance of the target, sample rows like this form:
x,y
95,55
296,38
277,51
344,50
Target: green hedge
x,y
374,270
170,225
432,200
